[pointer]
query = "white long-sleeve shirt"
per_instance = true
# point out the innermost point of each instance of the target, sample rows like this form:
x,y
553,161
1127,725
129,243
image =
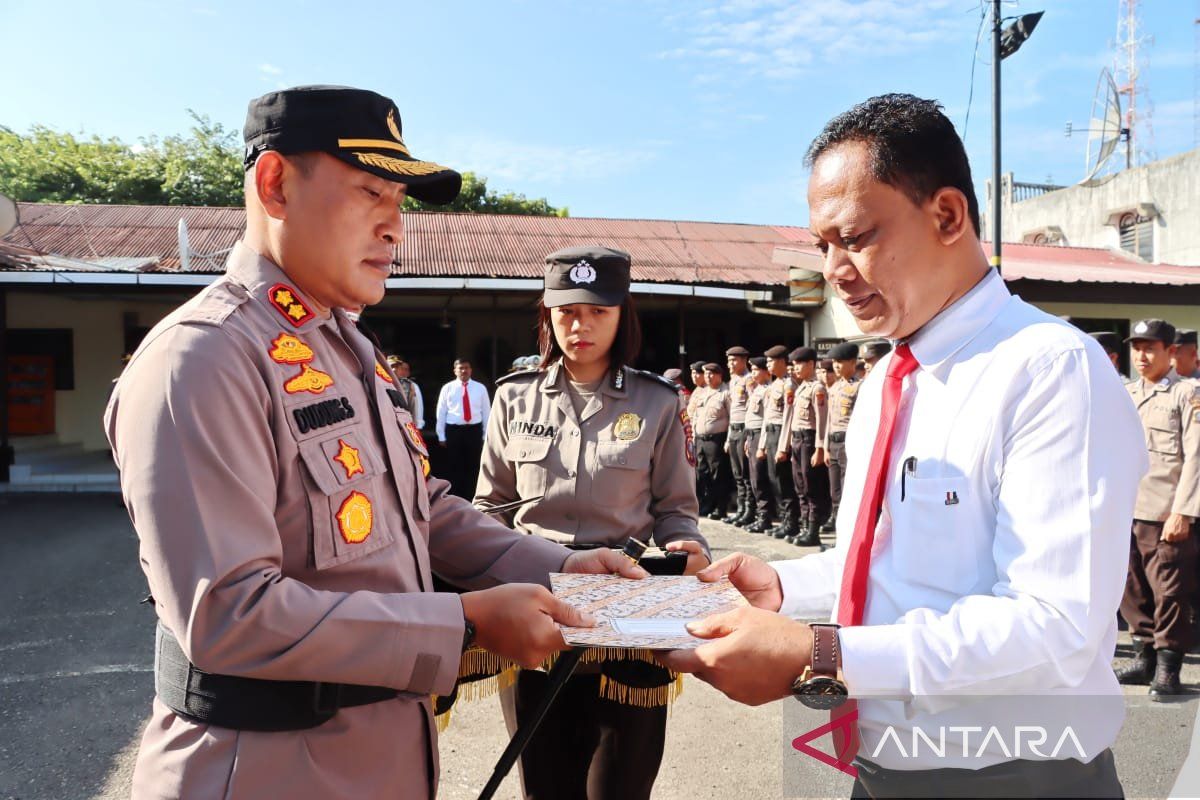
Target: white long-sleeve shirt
x,y
1001,550
450,406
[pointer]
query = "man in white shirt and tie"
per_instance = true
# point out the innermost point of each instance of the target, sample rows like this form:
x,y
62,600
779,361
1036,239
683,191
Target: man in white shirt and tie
x,y
462,414
983,536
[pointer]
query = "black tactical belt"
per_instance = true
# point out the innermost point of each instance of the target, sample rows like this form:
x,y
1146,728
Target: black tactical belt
x,y
708,437
804,434
774,428
737,427
837,437
249,704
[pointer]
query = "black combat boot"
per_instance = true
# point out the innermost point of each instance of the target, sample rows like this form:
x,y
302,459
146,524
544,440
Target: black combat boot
x,y
808,536
761,524
718,512
1139,671
1166,675
748,516
787,527
737,512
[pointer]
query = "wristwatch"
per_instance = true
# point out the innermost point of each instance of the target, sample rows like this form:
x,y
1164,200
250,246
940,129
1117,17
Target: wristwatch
x,y
821,685
468,633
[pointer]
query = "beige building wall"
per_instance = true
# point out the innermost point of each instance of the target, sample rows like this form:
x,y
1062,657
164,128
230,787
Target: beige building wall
x,y
98,342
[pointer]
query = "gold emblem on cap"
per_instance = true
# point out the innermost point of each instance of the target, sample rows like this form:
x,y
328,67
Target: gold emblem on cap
x,y
393,127
627,427
400,166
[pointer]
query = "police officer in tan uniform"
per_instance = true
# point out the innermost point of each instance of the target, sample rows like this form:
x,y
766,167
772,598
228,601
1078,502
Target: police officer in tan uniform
x,y
807,418
711,426
1185,361
760,481
1161,584
781,393
610,453
288,524
739,396
842,395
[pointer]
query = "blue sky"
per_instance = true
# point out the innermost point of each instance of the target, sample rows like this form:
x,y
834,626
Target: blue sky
x,y
675,109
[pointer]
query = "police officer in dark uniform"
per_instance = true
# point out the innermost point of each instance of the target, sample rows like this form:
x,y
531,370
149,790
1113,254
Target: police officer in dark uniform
x,y
780,395
842,396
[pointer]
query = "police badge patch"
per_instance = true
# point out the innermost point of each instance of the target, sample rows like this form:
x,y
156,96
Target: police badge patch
x,y
689,447
627,427
582,273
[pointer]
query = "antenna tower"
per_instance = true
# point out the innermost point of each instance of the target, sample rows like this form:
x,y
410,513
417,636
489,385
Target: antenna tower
x,y
1127,67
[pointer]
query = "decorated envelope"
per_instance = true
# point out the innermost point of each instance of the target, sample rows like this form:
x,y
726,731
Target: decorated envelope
x,y
647,614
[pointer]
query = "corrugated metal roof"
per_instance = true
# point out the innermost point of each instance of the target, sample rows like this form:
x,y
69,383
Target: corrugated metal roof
x,y
435,244
500,246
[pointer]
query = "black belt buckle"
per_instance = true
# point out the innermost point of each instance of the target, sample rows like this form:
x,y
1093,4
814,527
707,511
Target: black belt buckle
x,y
327,698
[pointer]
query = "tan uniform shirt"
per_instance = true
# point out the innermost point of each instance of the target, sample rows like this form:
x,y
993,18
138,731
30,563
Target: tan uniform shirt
x,y
739,398
624,467
755,406
288,532
1170,412
781,393
842,396
712,411
808,412
695,398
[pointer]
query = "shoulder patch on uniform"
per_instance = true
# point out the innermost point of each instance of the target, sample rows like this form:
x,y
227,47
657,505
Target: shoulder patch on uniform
x,y
521,373
215,305
287,302
656,378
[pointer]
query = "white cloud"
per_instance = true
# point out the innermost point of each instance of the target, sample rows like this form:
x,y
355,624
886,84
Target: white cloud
x,y
782,39
523,164
270,70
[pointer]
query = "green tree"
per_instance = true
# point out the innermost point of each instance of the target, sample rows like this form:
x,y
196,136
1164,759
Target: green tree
x,y
203,168
476,198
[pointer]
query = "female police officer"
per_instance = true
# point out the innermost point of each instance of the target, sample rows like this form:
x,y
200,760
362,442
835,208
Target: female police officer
x,y
611,452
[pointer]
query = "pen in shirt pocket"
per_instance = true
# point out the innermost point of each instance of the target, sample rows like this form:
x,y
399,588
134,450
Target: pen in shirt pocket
x,y
910,468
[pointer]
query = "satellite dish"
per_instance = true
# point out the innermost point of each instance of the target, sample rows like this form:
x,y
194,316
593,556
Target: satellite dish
x,y
1104,131
185,250
8,215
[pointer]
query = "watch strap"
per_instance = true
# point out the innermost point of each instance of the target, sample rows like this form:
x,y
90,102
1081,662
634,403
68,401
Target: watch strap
x,y
827,654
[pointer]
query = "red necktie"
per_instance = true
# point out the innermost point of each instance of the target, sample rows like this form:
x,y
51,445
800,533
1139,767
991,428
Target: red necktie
x,y
466,404
853,599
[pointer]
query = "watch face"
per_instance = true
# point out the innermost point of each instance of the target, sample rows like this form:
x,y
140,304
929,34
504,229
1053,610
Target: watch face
x,y
822,693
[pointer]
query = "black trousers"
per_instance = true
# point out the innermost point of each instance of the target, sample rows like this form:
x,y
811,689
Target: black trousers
x,y
812,483
738,466
780,473
712,468
464,449
835,456
587,748
1021,778
760,480
1159,588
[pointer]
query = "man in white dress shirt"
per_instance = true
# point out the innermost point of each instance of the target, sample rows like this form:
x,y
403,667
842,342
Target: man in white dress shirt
x,y
462,414
983,537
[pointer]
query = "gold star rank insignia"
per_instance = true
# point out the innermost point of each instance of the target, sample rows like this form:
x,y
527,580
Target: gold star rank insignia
x,y
309,380
284,300
355,518
349,459
288,349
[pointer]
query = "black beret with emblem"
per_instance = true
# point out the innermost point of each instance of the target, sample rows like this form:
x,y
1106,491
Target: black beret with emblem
x,y
673,374
801,354
595,275
876,349
1108,340
713,366
778,351
356,126
1185,336
697,366
846,351
825,364
759,361
1155,329
737,351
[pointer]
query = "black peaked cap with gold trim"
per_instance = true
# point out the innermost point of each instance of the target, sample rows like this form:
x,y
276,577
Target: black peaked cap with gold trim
x,y
356,126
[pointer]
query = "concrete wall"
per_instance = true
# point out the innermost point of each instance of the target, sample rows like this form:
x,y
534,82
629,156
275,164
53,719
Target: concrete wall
x,y
1081,212
98,342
